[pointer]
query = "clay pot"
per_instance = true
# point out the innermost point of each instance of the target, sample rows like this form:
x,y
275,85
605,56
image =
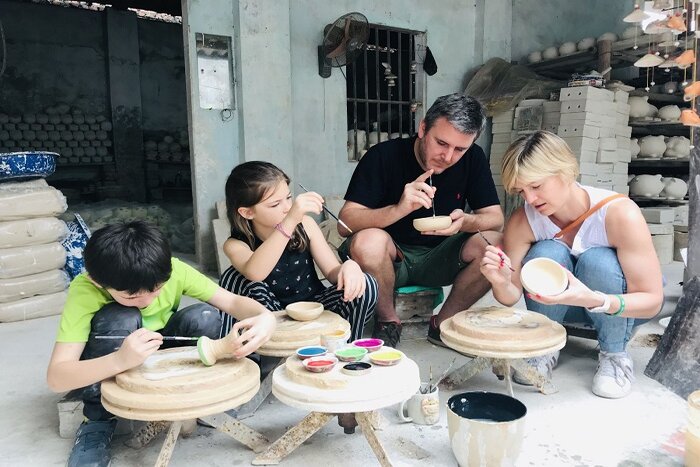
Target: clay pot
x,y
608,36
586,43
677,146
567,48
640,107
674,188
550,52
534,57
646,185
670,113
652,146
634,147
630,32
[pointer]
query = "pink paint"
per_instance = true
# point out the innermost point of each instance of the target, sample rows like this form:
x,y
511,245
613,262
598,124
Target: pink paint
x,y
368,343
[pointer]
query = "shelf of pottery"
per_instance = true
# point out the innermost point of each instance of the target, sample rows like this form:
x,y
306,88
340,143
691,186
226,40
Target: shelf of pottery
x,y
592,121
168,166
80,138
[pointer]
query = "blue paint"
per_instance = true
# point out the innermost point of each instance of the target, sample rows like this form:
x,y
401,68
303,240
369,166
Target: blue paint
x,y
310,351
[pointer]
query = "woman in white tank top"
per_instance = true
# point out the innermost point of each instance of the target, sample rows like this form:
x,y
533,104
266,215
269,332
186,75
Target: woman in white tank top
x,y
614,274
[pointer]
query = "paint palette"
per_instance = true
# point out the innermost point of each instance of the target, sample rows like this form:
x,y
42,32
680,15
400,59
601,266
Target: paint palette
x,y
320,364
372,345
356,368
351,354
386,357
311,351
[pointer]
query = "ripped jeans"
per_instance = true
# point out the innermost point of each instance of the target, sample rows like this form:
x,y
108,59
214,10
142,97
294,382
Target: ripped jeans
x,y
114,319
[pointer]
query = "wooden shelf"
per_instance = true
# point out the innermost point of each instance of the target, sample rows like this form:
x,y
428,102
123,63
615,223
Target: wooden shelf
x,y
643,128
667,99
659,162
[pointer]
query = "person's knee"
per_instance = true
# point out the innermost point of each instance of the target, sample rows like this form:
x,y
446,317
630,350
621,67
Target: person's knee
x,y
600,269
114,316
202,320
549,249
475,247
370,245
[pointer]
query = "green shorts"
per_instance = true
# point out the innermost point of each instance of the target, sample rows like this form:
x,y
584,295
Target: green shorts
x,y
426,266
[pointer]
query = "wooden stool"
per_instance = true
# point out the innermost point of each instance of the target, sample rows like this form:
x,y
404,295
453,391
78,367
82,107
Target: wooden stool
x,y
174,388
501,337
353,399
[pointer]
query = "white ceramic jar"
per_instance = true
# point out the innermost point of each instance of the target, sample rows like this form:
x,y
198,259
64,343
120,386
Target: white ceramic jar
x,y
550,52
585,43
646,185
677,146
674,188
567,48
640,107
652,146
670,113
534,57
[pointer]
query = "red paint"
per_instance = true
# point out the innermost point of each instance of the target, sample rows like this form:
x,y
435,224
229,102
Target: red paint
x,y
320,363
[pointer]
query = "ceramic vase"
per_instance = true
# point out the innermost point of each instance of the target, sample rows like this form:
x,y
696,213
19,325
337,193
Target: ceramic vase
x,y
646,185
652,146
674,188
670,113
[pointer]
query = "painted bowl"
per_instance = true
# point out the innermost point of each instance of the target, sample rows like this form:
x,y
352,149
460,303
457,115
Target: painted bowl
x,y
386,357
311,351
304,311
543,276
351,354
427,224
371,345
356,368
320,364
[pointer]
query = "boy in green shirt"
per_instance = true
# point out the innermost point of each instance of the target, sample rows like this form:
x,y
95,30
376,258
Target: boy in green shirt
x,y
133,288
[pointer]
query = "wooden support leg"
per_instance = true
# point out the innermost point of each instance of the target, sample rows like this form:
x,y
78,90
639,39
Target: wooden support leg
x,y
166,451
238,431
146,434
378,421
365,421
531,374
292,439
463,373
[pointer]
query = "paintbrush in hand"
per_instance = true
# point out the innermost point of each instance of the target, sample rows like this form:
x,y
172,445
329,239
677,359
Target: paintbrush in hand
x,y
433,201
491,244
330,212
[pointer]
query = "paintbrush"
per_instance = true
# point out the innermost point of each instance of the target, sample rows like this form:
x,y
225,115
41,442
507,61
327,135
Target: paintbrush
x,y
165,338
433,202
442,376
491,244
330,212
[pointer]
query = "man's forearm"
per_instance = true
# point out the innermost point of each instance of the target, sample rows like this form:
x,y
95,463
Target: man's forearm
x,y
482,221
365,218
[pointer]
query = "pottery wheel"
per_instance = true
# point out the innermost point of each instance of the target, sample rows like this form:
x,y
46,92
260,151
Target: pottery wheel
x,y
291,334
184,388
332,379
502,332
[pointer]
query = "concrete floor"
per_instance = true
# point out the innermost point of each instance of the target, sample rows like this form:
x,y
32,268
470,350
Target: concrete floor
x,y
570,428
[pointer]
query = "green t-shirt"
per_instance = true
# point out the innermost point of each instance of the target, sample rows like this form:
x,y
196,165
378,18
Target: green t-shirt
x,y
85,299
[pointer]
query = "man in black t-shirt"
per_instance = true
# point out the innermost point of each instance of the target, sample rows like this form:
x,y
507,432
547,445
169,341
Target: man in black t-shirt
x,y
404,179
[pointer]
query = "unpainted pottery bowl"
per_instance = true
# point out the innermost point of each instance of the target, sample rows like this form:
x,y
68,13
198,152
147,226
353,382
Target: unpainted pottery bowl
x,y
372,344
427,224
304,311
311,351
386,357
320,364
351,354
543,276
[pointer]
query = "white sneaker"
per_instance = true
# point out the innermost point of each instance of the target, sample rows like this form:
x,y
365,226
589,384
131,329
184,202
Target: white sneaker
x,y
614,376
543,364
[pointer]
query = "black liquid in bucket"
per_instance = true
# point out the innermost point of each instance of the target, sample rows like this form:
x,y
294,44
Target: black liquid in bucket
x,y
486,406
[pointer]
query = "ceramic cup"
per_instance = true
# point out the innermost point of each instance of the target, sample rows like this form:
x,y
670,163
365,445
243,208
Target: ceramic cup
x,y
423,409
335,340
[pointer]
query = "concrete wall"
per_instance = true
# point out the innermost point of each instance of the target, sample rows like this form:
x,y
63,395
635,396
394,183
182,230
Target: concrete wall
x,y
538,24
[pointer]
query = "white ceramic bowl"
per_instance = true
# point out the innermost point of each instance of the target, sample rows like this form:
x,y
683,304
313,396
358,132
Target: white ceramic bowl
x,y
304,311
543,276
426,224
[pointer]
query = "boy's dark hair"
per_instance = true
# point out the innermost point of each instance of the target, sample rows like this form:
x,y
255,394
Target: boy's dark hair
x,y
131,257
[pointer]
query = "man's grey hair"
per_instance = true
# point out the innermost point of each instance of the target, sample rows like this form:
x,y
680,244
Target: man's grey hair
x,y
464,113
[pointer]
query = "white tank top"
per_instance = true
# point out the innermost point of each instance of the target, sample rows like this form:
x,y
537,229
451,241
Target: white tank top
x,y
592,232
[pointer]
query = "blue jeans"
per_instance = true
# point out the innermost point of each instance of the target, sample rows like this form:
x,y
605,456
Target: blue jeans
x,y
600,270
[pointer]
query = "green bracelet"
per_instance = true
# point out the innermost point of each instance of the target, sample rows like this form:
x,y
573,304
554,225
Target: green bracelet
x,y
622,306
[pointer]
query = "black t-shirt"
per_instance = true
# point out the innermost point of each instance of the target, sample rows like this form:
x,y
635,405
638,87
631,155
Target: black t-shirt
x,y
380,176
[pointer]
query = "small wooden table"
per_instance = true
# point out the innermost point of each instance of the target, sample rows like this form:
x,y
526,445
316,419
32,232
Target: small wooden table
x,y
287,338
174,388
354,402
501,337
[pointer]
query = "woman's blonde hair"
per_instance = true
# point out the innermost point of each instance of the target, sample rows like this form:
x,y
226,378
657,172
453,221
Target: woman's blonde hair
x,y
536,156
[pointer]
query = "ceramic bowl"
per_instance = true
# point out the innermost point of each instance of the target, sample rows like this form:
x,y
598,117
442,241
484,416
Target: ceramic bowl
x,y
356,368
426,224
543,276
311,351
386,357
372,345
351,354
320,364
304,311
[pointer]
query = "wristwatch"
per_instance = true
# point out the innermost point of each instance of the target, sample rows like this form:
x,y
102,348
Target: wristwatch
x,y
604,307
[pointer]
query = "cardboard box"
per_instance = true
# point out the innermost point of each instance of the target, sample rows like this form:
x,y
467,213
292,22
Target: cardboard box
x,y
585,92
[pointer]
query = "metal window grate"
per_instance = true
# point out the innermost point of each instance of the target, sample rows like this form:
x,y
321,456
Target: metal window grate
x,y
385,88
